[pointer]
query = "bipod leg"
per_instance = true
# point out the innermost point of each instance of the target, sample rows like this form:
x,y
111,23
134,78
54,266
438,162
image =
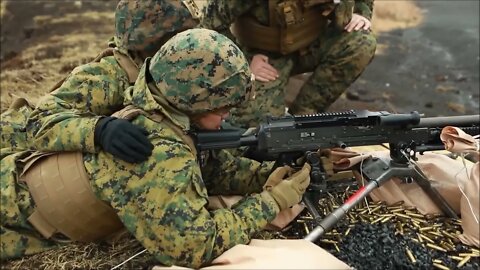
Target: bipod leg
x,y
376,171
317,186
310,199
434,195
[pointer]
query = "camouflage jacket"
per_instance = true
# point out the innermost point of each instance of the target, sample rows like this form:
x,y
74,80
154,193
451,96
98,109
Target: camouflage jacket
x,y
163,200
65,119
220,14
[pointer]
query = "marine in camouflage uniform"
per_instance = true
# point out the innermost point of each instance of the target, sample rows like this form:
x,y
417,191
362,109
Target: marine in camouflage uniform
x,y
336,57
96,89
162,200
91,91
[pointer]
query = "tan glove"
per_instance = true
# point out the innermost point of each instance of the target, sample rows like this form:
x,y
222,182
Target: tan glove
x,y
289,191
277,176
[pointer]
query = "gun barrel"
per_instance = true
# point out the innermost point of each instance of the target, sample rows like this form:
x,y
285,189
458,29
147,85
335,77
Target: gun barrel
x,y
458,121
223,139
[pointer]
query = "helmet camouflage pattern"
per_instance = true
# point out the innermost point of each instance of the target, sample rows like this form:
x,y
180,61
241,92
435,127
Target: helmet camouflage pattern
x,y
200,70
143,25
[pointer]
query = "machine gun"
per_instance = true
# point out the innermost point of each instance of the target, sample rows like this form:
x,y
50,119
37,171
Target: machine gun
x,y
290,138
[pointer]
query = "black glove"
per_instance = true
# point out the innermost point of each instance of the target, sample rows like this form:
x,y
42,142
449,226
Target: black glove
x,y
123,139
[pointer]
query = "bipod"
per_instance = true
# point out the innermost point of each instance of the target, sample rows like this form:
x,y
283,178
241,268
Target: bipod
x,y
377,171
317,187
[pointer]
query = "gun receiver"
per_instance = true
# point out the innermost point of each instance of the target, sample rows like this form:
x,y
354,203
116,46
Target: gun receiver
x,y
295,135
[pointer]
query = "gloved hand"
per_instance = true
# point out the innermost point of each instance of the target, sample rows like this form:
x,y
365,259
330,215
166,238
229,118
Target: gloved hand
x,y
289,191
123,139
276,177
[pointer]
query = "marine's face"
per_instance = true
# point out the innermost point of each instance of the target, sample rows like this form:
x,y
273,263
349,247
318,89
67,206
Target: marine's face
x,y
212,120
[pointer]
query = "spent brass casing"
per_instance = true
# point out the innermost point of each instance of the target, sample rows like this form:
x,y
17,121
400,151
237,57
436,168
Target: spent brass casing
x,y
440,266
435,233
464,261
426,238
469,254
447,246
327,241
414,215
419,237
457,258
375,209
386,219
377,220
410,255
436,247
426,228
306,228
336,247
401,215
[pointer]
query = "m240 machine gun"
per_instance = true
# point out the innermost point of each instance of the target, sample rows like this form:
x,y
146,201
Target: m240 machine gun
x,y
291,138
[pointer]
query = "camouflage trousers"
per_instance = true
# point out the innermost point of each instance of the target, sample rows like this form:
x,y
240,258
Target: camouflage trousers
x,y
336,60
17,236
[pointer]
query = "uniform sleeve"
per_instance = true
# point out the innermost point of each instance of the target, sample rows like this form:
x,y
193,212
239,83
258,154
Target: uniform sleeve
x,y
220,14
64,120
364,8
225,174
162,202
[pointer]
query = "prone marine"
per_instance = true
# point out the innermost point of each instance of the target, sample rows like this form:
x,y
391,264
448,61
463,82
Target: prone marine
x,y
190,83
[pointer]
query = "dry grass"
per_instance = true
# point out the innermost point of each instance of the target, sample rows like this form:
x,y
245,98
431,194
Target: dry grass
x,y
87,256
394,14
37,68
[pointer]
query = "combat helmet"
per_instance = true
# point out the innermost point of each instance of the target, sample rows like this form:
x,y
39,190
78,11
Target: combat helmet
x,y
200,70
142,26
